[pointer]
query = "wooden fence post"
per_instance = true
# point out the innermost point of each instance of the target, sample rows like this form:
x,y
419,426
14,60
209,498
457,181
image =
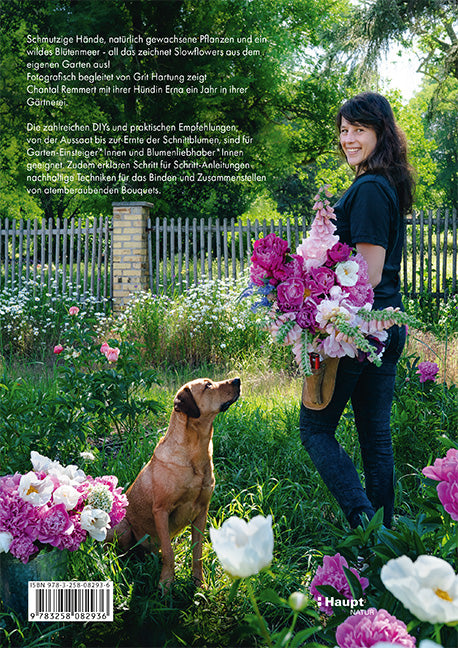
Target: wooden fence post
x,y
130,253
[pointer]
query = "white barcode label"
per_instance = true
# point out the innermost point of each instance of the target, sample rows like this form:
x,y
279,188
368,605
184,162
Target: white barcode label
x,y
70,601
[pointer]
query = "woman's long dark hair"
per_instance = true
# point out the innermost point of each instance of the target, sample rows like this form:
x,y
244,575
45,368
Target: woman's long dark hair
x,y
389,158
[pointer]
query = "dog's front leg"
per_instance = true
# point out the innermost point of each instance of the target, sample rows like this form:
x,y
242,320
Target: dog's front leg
x,y
197,533
161,520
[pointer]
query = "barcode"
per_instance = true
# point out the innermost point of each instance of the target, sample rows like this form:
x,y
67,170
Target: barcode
x,y
70,601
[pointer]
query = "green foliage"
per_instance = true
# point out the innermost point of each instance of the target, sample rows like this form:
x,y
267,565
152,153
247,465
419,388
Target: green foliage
x,y
89,398
425,415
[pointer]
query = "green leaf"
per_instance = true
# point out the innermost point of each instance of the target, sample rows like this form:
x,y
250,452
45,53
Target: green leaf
x,y
303,635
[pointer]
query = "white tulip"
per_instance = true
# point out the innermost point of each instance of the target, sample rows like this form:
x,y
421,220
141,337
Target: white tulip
x,y
428,587
66,495
95,522
36,491
244,548
5,541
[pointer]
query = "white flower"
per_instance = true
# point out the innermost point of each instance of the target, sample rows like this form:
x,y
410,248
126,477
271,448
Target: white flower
x,y
95,522
428,587
5,541
36,491
88,456
347,273
66,495
41,463
244,548
297,601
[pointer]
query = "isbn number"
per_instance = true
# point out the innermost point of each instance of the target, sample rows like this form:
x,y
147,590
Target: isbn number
x,y
71,601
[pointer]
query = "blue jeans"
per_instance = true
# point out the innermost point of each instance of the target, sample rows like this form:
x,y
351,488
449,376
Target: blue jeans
x,y
370,389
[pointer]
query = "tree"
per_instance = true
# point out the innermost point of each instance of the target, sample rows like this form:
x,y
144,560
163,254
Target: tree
x,y
267,127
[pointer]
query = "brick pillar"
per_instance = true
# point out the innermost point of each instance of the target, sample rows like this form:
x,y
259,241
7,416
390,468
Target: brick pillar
x,y
129,249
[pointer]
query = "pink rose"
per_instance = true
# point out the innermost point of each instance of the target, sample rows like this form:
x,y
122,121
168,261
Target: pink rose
x,y
290,295
105,346
73,310
58,349
269,251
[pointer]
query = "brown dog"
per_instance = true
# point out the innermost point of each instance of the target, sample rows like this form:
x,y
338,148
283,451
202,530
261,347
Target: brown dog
x,y
174,489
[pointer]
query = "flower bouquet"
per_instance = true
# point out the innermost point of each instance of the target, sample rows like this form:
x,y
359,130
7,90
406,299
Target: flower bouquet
x,y
319,300
56,506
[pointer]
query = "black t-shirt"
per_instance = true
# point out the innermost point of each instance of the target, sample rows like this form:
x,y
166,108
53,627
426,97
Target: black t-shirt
x,y
368,212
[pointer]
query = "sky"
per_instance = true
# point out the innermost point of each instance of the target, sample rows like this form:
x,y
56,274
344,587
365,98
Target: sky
x,y
401,71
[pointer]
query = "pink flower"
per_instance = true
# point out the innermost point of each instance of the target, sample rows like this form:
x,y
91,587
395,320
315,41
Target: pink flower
x,y
290,295
73,310
332,573
339,253
320,280
269,252
58,349
105,346
445,469
257,276
112,354
22,548
306,316
427,371
366,628
448,495
54,523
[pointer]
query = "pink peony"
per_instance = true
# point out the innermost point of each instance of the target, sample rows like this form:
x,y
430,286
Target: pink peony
x,y
112,354
269,252
73,310
257,275
306,316
448,496
54,523
360,294
320,280
366,628
445,469
339,253
58,349
427,371
332,573
23,548
290,295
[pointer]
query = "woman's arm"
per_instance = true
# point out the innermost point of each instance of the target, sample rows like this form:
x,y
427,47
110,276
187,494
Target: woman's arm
x,y
375,257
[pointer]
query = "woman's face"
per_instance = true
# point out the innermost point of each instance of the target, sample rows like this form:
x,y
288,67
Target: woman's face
x,y
357,141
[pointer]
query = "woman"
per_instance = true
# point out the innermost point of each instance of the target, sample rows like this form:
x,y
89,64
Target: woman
x,y
369,217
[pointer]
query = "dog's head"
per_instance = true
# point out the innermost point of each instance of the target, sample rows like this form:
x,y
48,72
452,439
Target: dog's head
x,y
205,397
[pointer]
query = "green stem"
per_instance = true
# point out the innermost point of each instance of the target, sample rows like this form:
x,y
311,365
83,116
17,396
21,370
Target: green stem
x,y
262,623
437,633
291,630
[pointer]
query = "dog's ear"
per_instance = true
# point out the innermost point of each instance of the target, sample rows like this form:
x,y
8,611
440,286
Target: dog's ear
x,y
184,402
